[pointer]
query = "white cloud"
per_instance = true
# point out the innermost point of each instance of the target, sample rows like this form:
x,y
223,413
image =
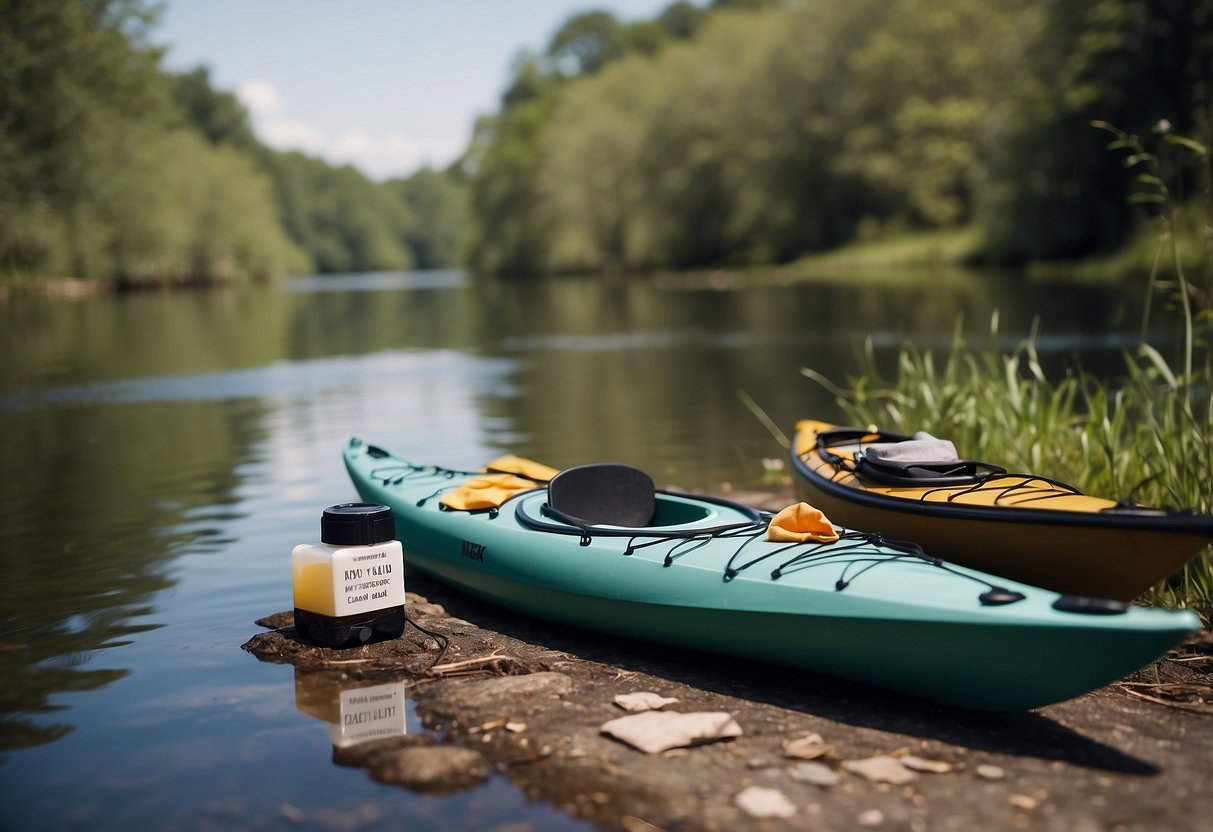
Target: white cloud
x,y
378,156
260,97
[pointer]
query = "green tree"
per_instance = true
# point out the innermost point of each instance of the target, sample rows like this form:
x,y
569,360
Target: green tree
x,y
73,77
1054,191
681,19
346,222
218,115
587,42
436,202
592,191
508,235
103,175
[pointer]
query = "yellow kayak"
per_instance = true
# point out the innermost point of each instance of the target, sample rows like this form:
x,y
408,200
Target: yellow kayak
x,y
1022,526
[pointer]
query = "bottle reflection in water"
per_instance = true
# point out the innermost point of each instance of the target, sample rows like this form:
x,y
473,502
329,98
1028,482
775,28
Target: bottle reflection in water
x,y
355,712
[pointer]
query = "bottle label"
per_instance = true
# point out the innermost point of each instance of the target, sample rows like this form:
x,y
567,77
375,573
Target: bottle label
x,y
368,579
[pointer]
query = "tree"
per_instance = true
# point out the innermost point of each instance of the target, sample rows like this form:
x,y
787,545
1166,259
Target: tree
x,y
586,43
218,115
1054,191
436,202
73,76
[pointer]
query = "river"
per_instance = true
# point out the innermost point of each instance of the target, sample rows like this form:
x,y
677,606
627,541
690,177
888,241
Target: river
x,y
163,452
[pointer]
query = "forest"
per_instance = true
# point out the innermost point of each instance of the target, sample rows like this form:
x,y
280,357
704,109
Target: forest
x,y
114,170
729,133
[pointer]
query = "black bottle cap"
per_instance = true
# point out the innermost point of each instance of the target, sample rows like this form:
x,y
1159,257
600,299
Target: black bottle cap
x,y
357,524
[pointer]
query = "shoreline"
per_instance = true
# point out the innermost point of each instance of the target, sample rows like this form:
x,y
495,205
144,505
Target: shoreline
x,y
528,700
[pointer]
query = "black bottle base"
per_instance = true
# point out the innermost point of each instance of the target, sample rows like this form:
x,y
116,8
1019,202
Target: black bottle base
x,y
350,630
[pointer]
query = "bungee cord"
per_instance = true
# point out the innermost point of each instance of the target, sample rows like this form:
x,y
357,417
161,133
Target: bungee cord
x,y
851,550
1029,487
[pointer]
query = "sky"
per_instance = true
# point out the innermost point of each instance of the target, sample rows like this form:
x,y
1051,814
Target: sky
x,y
386,85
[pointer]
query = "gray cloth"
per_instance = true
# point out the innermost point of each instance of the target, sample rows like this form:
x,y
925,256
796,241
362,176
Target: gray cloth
x,y
923,449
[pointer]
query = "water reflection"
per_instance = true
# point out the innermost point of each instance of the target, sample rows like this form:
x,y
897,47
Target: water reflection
x,y
356,711
107,501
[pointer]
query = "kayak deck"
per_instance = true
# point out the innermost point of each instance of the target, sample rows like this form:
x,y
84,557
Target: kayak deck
x,y
1026,527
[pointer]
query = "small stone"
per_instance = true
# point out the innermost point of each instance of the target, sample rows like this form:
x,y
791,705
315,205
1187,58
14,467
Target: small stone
x,y
872,817
656,731
922,764
809,747
431,768
1023,801
819,774
989,772
881,769
643,701
760,802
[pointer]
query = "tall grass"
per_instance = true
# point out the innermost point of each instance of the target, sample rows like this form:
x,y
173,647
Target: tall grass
x,y
1146,435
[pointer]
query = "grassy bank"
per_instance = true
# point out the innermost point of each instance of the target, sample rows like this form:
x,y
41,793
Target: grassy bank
x,y
917,250
961,248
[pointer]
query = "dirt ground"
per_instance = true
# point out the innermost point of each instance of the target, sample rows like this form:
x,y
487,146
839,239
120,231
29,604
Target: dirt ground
x,y
529,699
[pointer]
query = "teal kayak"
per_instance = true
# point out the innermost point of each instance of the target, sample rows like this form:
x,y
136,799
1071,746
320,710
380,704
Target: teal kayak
x,y
700,572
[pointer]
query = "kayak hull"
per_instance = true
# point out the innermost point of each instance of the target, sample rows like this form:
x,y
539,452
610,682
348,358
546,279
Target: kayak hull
x,y
905,623
1086,546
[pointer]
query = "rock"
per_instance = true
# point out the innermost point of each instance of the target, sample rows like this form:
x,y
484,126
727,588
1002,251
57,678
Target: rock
x,y
655,731
819,774
1023,801
643,701
492,697
921,764
759,802
872,817
808,747
439,768
881,770
989,772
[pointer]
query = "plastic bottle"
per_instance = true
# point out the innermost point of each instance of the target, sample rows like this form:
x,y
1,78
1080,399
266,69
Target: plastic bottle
x,y
349,587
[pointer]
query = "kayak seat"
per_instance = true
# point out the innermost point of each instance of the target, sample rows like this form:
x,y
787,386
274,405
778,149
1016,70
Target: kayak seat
x,y
603,493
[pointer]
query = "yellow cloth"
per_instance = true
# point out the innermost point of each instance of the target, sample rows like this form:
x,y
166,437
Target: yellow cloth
x,y
486,491
511,464
801,523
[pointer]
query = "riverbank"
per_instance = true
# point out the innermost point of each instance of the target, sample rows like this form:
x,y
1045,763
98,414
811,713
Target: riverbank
x,y
538,704
515,696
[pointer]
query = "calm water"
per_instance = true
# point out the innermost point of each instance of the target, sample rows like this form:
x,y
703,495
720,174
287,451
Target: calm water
x,y
162,453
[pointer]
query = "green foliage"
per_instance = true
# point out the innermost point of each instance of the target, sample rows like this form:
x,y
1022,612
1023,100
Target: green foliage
x,y
681,19
509,236
113,170
346,222
761,131
219,116
436,204
1054,193
586,43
